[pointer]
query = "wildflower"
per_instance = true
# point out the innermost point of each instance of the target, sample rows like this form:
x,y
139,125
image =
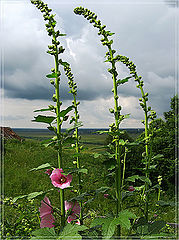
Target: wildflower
x,y
74,209
106,195
47,219
59,180
48,171
131,188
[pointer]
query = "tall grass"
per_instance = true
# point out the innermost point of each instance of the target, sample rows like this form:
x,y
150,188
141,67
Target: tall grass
x,y
21,157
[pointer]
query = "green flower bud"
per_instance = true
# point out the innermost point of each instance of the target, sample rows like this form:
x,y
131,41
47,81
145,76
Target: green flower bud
x,y
111,110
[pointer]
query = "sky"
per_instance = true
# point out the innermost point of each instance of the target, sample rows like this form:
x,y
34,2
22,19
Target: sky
x,y
145,31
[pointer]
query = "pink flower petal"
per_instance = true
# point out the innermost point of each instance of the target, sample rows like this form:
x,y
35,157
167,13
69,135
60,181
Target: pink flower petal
x,y
78,222
76,208
47,221
48,171
64,185
72,217
131,188
59,180
45,209
68,205
106,195
69,178
58,172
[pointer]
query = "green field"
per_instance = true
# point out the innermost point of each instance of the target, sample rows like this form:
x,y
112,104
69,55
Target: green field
x,y
20,157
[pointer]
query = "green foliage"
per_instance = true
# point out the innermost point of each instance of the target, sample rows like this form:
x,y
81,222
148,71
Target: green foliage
x,y
109,224
43,166
19,219
165,143
71,232
44,233
24,156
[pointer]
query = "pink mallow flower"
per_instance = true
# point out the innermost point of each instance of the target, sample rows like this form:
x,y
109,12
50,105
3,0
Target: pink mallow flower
x,y
48,171
74,209
131,188
47,219
59,180
106,195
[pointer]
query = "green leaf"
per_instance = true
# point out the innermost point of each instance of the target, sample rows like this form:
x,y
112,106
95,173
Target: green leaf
x,y
165,204
108,226
145,179
122,142
156,226
44,233
44,119
62,34
64,112
52,143
122,81
79,197
76,125
43,110
142,178
52,75
71,231
132,178
127,194
43,166
96,222
123,218
32,195
69,139
101,132
158,156
65,64
152,167
18,197
101,190
96,155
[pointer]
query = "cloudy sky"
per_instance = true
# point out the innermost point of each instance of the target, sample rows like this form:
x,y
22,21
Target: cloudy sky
x,y
145,31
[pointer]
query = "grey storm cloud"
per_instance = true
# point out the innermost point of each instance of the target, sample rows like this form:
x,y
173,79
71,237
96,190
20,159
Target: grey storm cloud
x,y
143,32
172,3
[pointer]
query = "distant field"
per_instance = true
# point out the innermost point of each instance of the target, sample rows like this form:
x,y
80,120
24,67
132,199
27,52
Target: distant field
x,y
88,136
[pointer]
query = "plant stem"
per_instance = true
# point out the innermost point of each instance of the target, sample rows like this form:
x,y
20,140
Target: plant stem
x,y
124,167
147,154
117,147
73,90
62,204
78,159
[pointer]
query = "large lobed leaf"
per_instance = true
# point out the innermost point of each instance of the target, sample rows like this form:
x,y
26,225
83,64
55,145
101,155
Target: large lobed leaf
x,y
44,233
72,232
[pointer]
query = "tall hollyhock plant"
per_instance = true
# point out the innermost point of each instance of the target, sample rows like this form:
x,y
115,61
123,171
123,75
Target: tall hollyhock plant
x,y
54,122
73,90
114,128
118,117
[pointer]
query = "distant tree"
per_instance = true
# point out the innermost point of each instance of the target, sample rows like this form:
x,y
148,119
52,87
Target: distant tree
x,y
165,142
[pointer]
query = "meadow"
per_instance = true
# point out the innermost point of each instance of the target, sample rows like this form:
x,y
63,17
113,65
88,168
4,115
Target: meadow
x,y
21,157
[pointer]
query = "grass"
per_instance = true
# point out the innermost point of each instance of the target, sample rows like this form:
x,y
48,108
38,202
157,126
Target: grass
x,y
18,180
